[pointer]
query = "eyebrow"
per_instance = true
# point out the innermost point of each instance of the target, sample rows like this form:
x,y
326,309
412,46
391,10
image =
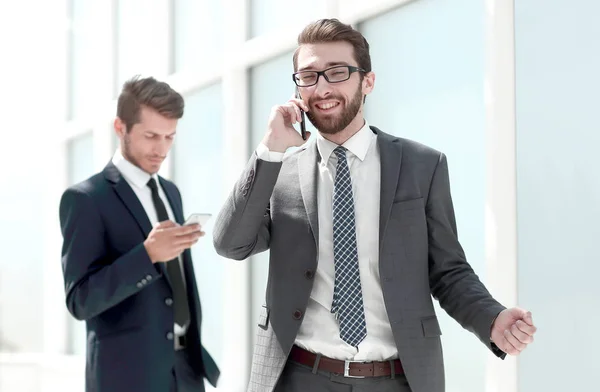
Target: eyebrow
x,y
156,133
327,65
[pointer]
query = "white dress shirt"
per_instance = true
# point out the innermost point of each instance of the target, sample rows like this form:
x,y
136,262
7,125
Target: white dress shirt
x,y
319,331
138,181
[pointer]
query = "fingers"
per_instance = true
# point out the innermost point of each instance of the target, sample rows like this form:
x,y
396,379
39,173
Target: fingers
x,y
182,230
182,236
528,318
188,240
165,224
526,328
506,346
514,346
301,104
521,335
293,111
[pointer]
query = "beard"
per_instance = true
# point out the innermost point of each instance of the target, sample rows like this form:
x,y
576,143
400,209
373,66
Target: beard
x,y
126,151
329,124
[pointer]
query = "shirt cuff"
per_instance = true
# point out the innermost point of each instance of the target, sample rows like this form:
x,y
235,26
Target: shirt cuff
x,y
263,153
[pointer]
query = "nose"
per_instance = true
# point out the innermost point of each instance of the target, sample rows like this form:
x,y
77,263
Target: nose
x,y
322,88
162,147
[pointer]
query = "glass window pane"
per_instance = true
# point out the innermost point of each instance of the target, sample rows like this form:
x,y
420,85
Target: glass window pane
x,y
429,88
80,160
269,15
22,235
270,84
143,39
198,34
558,190
90,83
197,154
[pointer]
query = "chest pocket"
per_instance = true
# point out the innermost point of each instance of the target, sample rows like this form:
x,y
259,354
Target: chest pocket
x,y
408,211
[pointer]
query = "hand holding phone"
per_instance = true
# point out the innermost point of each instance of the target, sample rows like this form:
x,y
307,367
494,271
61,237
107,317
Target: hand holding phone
x,y
167,240
281,133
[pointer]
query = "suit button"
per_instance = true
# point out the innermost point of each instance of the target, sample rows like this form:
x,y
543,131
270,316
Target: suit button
x,y
149,277
144,281
245,192
139,285
168,302
297,314
309,274
170,336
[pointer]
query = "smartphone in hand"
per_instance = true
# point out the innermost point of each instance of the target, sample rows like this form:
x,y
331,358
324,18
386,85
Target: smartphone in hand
x,y
200,219
303,122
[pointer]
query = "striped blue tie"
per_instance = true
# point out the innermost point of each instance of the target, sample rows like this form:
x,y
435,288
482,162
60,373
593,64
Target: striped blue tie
x,y
347,293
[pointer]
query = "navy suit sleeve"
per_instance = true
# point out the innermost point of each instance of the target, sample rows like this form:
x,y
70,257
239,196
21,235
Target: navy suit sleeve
x,y
93,283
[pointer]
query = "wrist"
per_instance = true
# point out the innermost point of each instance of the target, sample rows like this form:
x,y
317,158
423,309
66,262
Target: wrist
x,y
492,325
273,143
149,252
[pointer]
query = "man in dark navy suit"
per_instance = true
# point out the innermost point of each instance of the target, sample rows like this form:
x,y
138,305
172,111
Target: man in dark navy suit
x,y
126,262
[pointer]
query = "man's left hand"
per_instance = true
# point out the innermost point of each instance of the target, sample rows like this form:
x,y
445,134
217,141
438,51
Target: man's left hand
x,y
513,330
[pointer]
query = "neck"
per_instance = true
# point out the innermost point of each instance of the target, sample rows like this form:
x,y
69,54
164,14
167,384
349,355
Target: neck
x,y
341,137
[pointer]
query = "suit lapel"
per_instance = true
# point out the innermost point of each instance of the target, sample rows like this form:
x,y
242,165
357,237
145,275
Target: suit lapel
x,y
307,172
173,202
390,151
131,201
126,194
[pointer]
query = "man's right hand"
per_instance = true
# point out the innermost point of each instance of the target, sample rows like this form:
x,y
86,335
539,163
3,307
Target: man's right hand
x,y
167,240
281,134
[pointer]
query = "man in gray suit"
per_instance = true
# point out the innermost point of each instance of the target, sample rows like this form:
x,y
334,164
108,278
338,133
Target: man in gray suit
x,y
361,232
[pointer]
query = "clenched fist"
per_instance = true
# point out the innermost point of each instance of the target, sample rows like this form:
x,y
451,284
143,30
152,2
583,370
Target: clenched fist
x,y
513,330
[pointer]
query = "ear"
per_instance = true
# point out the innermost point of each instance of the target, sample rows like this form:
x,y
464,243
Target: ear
x,y
368,83
120,128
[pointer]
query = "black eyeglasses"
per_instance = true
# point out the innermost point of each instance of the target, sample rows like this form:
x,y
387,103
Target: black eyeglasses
x,y
339,73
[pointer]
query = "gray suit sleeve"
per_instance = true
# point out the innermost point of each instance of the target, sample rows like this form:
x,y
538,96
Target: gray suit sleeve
x,y
452,280
242,227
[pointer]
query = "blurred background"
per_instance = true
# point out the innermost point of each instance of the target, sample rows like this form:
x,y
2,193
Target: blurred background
x,y
506,88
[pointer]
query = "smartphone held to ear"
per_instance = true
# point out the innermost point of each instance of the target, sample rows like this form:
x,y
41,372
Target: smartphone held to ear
x,y
303,122
197,219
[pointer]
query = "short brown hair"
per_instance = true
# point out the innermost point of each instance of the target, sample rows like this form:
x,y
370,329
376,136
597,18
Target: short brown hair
x,y
151,93
332,30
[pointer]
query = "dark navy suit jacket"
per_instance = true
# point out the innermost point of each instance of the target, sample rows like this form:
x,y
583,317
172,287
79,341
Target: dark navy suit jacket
x,y
125,300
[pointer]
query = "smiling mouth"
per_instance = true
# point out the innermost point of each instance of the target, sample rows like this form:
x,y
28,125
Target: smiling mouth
x,y
327,106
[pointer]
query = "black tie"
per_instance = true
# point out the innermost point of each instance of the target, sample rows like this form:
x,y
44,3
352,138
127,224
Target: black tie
x,y
180,302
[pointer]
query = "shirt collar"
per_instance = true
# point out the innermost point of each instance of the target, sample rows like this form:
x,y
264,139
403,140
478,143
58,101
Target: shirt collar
x,y
133,174
358,144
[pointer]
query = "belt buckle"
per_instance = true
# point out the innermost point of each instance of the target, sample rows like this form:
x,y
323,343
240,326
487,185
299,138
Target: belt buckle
x,y
180,342
347,363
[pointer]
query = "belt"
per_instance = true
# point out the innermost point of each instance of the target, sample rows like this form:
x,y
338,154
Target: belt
x,y
353,369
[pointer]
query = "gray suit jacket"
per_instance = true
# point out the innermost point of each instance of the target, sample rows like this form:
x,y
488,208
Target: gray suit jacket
x,y
273,206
